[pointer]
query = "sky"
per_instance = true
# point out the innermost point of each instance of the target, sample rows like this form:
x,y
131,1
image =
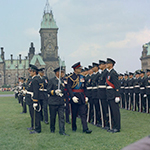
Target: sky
x,y
89,30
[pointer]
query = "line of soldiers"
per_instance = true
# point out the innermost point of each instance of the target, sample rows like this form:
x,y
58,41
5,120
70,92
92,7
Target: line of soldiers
x,y
88,94
135,91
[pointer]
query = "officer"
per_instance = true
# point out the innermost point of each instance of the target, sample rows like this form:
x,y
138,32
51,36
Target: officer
x,y
142,100
113,96
122,90
95,98
136,90
33,89
126,90
102,94
75,87
43,96
147,95
56,101
131,90
23,99
88,93
66,100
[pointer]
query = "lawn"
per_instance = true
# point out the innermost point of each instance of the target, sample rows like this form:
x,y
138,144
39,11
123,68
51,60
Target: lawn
x,y
6,92
14,135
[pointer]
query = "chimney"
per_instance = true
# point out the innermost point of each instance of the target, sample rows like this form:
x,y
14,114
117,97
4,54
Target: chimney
x,y
2,53
11,58
20,58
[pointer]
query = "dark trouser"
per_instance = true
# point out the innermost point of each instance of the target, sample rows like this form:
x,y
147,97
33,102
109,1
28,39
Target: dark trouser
x,y
91,111
53,109
31,111
67,111
24,106
126,100
123,100
82,112
35,118
115,114
143,102
43,103
136,101
131,100
105,111
97,108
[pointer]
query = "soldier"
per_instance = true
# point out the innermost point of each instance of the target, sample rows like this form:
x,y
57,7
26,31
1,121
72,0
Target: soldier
x,y
136,90
56,101
95,98
43,96
88,93
147,95
102,94
113,96
122,91
142,100
126,90
23,99
131,90
33,89
75,87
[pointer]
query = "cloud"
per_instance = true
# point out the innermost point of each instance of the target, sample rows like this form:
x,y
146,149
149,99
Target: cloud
x,y
132,39
32,33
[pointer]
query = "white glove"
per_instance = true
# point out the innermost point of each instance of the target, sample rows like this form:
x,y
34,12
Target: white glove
x,y
35,105
75,99
129,94
117,99
61,94
24,92
58,91
86,99
145,95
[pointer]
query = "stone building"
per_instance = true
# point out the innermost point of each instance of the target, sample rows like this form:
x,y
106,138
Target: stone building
x,y
12,69
145,58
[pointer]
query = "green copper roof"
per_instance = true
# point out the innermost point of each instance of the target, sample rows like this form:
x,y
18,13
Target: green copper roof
x,y
48,21
23,65
1,59
35,58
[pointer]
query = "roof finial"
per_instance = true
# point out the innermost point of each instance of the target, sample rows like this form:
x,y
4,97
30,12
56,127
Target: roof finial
x,y
47,7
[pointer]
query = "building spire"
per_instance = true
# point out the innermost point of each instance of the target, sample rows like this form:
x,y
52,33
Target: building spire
x,y
47,7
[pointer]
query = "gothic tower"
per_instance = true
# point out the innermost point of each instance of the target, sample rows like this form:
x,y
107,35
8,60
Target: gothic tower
x,y
49,47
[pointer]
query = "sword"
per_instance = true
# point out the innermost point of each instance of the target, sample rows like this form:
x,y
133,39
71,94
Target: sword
x,y
140,107
147,109
110,122
129,107
94,114
100,104
88,114
134,102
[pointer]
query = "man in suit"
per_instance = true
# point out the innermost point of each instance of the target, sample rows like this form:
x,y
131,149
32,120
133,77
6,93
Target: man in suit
x,y
55,89
113,96
75,87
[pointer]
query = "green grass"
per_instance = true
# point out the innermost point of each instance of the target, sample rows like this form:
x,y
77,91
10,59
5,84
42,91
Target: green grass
x,y
6,92
14,135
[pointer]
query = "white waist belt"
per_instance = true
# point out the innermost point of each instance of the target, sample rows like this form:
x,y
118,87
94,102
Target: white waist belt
x,y
109,87
147,86
122,87
131,87
89,88
136,86
102,86
42,89
126,87
94,87
142,88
